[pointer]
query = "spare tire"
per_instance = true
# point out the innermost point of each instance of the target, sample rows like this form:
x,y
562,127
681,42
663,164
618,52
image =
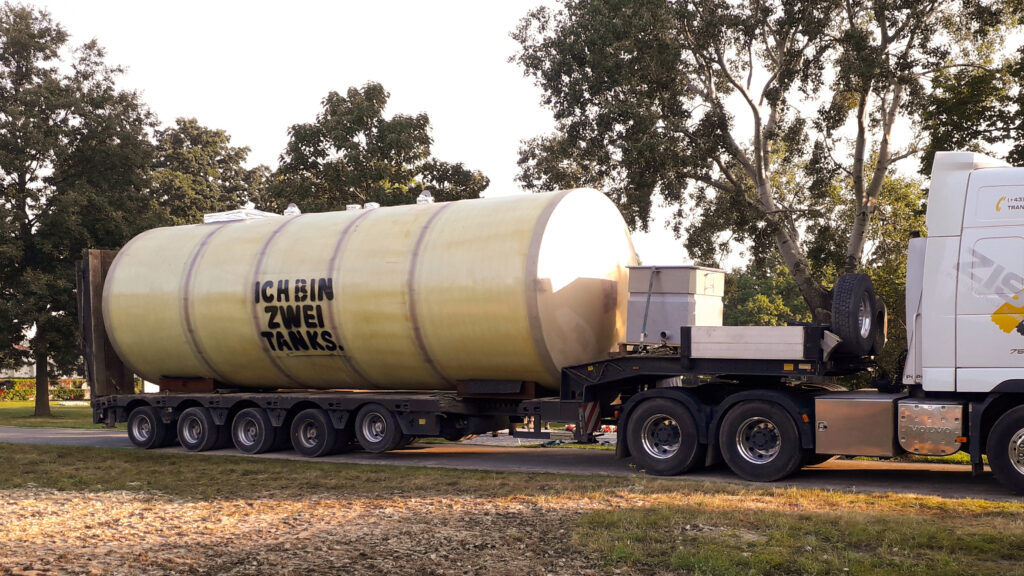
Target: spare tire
x,y
853,314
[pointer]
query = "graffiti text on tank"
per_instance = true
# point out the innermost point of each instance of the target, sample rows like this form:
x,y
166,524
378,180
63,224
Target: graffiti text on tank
x,y
291,313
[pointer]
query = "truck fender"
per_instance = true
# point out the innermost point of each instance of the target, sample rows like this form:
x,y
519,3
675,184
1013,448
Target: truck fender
x,y
797,406
700,412
1005,396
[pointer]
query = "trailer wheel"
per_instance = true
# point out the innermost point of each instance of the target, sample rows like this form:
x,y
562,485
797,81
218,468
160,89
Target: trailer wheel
x,y
146,429
197,432
853,314
760,441
377,429
1005,449
662,436
314,435
252,432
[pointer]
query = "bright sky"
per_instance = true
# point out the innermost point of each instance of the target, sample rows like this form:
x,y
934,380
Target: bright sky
x,y
256,68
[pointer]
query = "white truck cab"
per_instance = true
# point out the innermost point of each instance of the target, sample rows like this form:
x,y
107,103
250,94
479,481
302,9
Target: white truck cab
x,y
965,281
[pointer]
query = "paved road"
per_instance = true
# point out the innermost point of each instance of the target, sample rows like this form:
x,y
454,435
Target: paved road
x,y
946,480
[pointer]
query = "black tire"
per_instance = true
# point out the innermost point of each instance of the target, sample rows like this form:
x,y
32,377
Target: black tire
x,y
760,441
197,431
853,314
377,429
253,433
314,435
1005,449
146,429
881,327
662,437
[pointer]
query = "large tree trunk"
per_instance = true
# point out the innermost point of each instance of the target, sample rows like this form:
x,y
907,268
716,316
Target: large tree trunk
x,y
39,350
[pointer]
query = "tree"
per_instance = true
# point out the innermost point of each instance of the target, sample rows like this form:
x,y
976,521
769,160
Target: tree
x,y
351,154
74,159
197,171
647,98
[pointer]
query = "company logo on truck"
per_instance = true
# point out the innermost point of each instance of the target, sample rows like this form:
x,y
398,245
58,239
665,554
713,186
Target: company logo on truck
x,y
1009,316
1010,203
291,314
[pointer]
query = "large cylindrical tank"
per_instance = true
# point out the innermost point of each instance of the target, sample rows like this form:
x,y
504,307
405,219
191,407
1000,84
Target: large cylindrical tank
x,y
405,298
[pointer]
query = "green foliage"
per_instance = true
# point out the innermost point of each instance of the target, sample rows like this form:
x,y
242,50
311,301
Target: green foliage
x,y
762,296
649,98
196,171
18,390
74,160
352,154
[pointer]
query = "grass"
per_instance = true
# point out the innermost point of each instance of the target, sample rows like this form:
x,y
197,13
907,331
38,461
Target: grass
x,y
20,414
643,524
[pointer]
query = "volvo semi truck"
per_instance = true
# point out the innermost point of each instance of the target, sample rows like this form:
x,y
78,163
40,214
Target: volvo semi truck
x,y
368,328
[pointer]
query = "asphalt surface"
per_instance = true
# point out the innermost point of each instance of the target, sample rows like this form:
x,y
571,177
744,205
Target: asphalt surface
x,y
500,454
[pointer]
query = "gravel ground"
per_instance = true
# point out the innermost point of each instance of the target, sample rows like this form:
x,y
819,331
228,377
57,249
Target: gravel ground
x,y
48,532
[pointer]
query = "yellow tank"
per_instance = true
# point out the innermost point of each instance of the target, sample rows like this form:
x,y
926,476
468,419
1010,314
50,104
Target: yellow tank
x,y
401,298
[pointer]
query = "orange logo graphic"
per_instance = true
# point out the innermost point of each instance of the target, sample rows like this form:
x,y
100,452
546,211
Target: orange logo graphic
x,y
999,203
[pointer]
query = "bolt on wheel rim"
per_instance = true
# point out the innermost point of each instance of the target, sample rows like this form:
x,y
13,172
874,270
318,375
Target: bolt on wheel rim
x,y
309,435
661,436
248,431
375,427
864,317
142,428
758,440
1017,451
192,430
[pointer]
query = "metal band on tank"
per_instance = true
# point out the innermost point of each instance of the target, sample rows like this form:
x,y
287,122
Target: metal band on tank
x,y
255,310
190,333
332,321
532,296
411,290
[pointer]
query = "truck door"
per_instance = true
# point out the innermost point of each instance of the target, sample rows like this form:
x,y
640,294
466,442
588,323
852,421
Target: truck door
x,y
990,285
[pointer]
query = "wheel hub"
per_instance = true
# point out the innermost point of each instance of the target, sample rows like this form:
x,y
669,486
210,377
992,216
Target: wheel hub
x,y
142,428
661,436
374,427
1017,451
309,435
758,440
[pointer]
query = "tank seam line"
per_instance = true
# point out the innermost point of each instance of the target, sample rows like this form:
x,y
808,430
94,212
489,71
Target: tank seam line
x,y
411,291
331,316
255,310
189,327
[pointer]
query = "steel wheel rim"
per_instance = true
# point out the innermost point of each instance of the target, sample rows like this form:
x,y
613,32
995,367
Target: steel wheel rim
x,y
248,431
192,430
661,436
375,427
142,428
864,316
309,435
1016,451
758,440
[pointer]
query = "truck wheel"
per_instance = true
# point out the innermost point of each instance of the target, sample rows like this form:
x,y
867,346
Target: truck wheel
x,y
1005,449
760,441
662,436
853,313
377,429
146,429
314,435
252,431
197,431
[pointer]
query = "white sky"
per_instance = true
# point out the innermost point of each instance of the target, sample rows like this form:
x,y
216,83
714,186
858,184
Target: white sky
x,y
256,68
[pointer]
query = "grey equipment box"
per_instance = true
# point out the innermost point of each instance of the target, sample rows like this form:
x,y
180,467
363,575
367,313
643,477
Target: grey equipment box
x,y
856,423
668,297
